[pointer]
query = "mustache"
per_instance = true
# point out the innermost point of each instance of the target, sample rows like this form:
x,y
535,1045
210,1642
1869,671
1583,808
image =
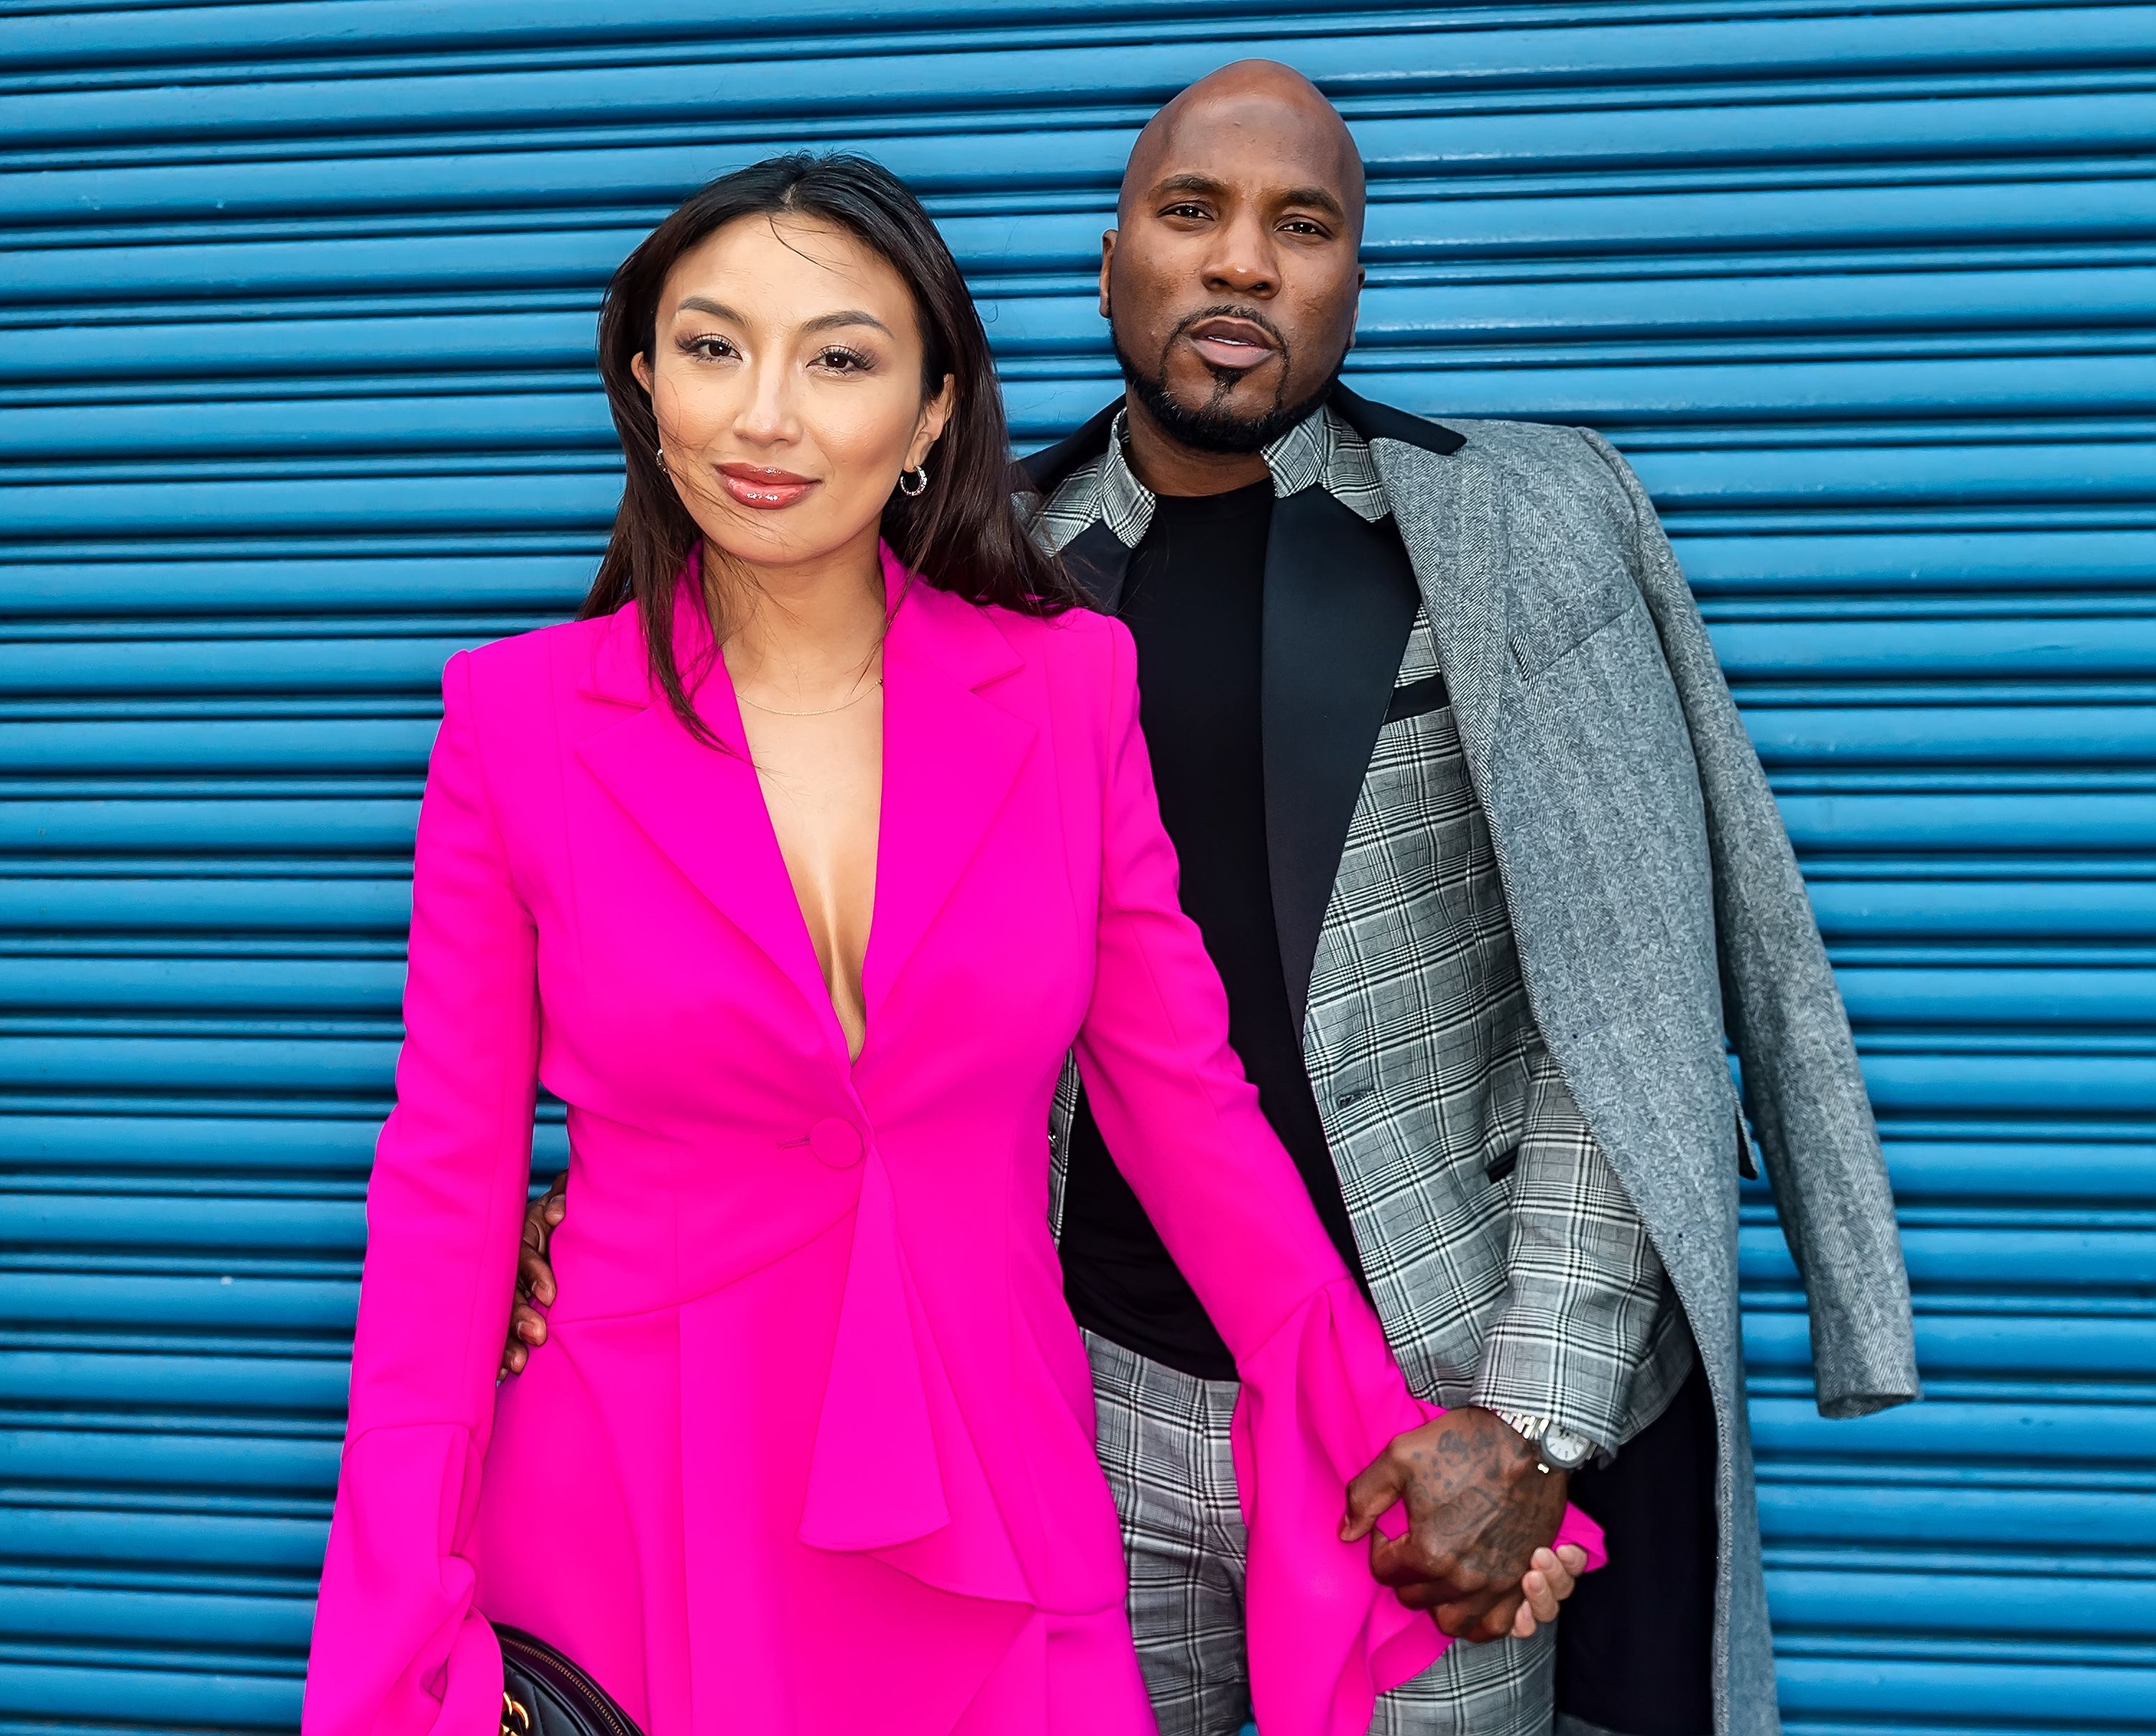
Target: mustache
x,y
1232,310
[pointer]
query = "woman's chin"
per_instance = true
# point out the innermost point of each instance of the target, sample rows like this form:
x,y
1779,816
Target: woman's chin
x,y
783,537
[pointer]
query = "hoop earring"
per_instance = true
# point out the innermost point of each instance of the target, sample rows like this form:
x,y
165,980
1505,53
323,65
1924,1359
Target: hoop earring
x,y
919,476
662,453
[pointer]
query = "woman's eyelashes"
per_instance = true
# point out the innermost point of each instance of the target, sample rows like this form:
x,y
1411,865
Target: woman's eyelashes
x,y
832,358
837,358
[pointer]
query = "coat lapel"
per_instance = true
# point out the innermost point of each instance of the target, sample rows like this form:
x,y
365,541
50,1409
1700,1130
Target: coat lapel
x,y
950,757
700,805
1451,523
1097,559
1339,601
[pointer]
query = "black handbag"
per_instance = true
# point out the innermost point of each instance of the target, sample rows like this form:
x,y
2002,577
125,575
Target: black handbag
x,y
544,1694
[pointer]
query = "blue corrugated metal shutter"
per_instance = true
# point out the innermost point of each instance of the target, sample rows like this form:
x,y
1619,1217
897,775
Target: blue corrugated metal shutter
x,y
295,397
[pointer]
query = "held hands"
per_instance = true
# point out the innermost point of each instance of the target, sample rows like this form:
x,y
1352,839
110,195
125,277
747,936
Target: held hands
x,y
1482,1514
535,1277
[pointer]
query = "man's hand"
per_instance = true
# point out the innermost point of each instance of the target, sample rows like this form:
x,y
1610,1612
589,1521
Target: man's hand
x,y
1481,1511
535,1277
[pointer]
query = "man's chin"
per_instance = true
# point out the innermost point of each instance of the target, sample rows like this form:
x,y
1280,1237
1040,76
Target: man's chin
x,y
1226,424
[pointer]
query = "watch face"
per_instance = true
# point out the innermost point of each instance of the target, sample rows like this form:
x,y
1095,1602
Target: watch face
x,y
1567,1452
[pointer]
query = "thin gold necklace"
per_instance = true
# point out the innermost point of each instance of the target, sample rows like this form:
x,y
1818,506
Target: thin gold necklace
x,y
843,705
828,711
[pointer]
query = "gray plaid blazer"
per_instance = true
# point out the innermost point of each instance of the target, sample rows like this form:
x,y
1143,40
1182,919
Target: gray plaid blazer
x,y
1584,844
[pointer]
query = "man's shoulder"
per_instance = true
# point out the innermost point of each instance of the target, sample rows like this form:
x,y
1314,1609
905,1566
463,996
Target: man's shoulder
x,y
1547,471
1549,447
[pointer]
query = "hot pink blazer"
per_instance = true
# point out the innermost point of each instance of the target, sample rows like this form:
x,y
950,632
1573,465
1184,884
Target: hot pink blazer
x,y
810,1447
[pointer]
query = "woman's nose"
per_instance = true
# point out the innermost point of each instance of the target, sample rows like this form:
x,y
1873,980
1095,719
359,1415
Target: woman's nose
x,y
769,415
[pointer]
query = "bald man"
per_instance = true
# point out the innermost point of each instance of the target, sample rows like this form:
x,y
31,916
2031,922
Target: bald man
x,y
1475,834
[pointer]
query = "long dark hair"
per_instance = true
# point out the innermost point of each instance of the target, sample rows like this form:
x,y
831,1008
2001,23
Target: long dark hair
x,y
963,535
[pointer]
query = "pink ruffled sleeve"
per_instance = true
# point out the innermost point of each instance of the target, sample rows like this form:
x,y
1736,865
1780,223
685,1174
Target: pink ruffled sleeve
x,y
399,1647
1321,1396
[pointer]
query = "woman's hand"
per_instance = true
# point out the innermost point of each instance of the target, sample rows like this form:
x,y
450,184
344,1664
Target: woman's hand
x,y
535,1277
1553,1578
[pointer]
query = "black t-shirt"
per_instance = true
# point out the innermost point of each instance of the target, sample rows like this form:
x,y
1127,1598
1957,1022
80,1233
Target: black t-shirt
x,y
1193,600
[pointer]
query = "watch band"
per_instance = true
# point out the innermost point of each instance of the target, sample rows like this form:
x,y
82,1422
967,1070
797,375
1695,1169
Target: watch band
x,y
1556,1449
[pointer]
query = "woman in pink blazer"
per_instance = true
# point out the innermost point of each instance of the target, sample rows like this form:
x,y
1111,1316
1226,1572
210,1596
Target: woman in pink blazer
x,y
794,869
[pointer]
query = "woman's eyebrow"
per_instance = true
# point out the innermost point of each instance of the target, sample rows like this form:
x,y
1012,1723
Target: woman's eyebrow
x,y
849,316
822,323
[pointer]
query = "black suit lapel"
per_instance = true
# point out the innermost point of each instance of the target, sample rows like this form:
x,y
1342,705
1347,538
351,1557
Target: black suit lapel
x,y
1096,557
1340,600
1098,560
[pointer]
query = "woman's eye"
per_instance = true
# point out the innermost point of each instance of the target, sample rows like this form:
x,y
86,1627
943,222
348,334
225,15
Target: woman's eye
x,y
843,361
710,347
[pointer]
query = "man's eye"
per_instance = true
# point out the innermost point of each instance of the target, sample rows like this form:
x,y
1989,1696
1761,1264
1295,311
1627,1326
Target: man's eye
x,y
1196,211
1304,226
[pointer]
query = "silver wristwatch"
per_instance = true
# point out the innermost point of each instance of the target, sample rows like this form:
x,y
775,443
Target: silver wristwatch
x,y
1560,1449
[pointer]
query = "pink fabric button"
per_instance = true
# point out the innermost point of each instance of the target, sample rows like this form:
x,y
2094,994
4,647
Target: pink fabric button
x,y
836,1142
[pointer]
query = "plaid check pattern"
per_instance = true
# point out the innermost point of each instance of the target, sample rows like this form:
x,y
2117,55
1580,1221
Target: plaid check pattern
x,y
1506,1265
1320,449
1164,1443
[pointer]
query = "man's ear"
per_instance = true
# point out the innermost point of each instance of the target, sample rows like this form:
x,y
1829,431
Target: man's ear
x,y
1107,253
1355,317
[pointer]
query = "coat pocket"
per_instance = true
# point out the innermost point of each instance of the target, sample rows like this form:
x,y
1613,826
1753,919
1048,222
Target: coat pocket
x,y
1748,1161
1547,628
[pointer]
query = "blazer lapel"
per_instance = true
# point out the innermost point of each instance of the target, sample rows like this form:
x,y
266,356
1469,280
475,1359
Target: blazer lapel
x,y
1452,522
1095,558
1339,601
700,805
950,757
1098,560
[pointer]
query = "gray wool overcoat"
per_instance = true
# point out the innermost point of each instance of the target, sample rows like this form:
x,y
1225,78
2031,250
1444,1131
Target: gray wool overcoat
x,y
1657,907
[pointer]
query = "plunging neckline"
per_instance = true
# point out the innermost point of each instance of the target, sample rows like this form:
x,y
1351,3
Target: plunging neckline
x,y
828,977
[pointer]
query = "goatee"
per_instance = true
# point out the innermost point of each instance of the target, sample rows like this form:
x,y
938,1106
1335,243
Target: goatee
x,y
1215,426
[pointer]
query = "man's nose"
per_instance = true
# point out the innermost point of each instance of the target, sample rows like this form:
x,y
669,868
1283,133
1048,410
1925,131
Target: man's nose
x,y
1242,261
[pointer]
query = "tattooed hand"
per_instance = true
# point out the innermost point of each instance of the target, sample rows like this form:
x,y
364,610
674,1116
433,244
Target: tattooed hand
x,y
535,1277
1480,1506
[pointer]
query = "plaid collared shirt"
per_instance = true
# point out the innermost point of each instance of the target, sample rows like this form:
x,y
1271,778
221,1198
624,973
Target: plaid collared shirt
x,y
1319,450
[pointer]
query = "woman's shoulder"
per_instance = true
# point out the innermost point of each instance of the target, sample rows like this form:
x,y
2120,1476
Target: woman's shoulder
x,y
1070,638
530,667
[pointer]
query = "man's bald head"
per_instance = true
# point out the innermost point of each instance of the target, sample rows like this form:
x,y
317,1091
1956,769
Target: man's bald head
x,y
1231,279
1260,96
